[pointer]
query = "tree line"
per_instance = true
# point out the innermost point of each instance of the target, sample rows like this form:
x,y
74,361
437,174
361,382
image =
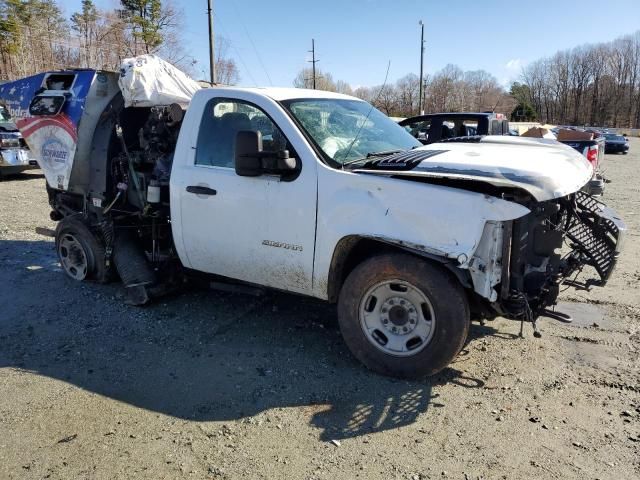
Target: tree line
x,y
597,85
589,85
35,36
448,90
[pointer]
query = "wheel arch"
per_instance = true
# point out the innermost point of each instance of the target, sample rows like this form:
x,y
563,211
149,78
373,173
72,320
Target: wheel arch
x,y
352,250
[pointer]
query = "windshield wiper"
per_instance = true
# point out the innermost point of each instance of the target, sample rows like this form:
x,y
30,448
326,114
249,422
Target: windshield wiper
x,y
384,153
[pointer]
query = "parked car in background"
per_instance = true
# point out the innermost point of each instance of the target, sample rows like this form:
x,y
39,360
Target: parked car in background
x,y
592,145
15,156
616,143
434,127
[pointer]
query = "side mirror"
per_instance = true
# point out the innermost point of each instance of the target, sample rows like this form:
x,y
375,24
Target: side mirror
x,y
251,161
248,150
46,105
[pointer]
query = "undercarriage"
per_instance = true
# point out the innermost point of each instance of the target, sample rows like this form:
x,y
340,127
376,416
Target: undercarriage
x,y
127,209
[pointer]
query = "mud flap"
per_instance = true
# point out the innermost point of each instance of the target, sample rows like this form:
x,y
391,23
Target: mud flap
x,y
133,267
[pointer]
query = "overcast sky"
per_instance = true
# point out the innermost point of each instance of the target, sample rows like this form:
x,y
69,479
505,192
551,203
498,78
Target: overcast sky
x,y
355,39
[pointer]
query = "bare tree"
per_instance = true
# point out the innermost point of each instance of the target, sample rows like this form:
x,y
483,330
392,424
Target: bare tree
x,y
35,37
407,91
450,89
590,85
323,80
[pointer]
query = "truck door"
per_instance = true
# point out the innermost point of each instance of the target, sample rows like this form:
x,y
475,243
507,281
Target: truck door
x,y
255,229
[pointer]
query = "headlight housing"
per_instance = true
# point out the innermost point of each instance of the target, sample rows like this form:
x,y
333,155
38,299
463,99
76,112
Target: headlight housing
x,y
9,141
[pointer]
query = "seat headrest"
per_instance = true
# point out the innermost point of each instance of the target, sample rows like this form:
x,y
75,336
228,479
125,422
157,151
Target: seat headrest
x,y
236,121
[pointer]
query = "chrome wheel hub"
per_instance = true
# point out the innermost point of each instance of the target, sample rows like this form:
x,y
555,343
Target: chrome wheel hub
x,y
397,318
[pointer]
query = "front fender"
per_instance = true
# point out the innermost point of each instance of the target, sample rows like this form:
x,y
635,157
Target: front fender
x,y
439,221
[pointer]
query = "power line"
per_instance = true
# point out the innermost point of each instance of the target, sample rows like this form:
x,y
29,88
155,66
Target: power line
x,y
252,44
220,24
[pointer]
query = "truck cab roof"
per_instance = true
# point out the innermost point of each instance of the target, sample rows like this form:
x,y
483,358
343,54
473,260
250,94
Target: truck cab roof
x,y
283,93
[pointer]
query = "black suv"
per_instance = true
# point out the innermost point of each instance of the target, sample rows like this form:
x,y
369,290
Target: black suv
x,y
434,127
615,143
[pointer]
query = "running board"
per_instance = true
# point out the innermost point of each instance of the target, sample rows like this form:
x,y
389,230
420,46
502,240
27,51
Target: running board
x,y
236,288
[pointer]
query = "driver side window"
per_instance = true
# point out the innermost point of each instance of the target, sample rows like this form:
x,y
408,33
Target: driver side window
x,y
222,120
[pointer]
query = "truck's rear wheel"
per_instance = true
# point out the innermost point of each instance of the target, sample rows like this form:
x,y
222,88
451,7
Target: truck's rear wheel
x,y
80,253
402,316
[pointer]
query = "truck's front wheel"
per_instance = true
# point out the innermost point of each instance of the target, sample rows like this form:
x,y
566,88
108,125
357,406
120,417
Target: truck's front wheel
x,y
402,316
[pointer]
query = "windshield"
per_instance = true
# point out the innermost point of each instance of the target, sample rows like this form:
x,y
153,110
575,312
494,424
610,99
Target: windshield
x,y
348,130
613,136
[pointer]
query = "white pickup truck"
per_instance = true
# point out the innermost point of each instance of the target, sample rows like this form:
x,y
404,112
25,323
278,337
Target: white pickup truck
x,y
318,194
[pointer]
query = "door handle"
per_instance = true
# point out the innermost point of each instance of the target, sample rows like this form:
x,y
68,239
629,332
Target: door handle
x,y
200,190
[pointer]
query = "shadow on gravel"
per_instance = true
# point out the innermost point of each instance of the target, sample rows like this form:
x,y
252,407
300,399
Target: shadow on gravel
x,y
19,177
202,355
478,331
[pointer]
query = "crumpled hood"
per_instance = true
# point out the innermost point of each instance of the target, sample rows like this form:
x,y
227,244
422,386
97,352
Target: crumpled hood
x,y
545,168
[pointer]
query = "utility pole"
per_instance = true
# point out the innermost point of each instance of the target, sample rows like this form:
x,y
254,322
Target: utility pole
x,y
420,102
212,63
313,61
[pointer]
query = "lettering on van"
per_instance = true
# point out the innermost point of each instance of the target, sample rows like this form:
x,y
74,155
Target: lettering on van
x,y
287,246
54,152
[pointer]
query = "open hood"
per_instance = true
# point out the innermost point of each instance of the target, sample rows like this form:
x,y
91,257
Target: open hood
x,y
545,168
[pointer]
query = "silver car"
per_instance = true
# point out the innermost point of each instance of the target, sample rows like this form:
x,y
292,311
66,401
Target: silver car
x,y
15,156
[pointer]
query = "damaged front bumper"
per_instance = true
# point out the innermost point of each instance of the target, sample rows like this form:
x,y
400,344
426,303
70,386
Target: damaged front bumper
x,y
573,241
596,234
15,160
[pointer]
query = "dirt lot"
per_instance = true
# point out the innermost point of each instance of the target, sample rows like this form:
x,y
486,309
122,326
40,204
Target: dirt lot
x,y
222,386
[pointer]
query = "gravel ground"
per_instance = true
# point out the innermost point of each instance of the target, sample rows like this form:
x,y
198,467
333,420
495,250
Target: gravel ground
x,y
221,386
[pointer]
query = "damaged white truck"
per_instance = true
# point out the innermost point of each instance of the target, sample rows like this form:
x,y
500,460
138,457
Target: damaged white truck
x,y
318,194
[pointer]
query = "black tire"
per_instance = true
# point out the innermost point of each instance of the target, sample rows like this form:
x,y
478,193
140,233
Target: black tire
x,y
92,248
440,287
